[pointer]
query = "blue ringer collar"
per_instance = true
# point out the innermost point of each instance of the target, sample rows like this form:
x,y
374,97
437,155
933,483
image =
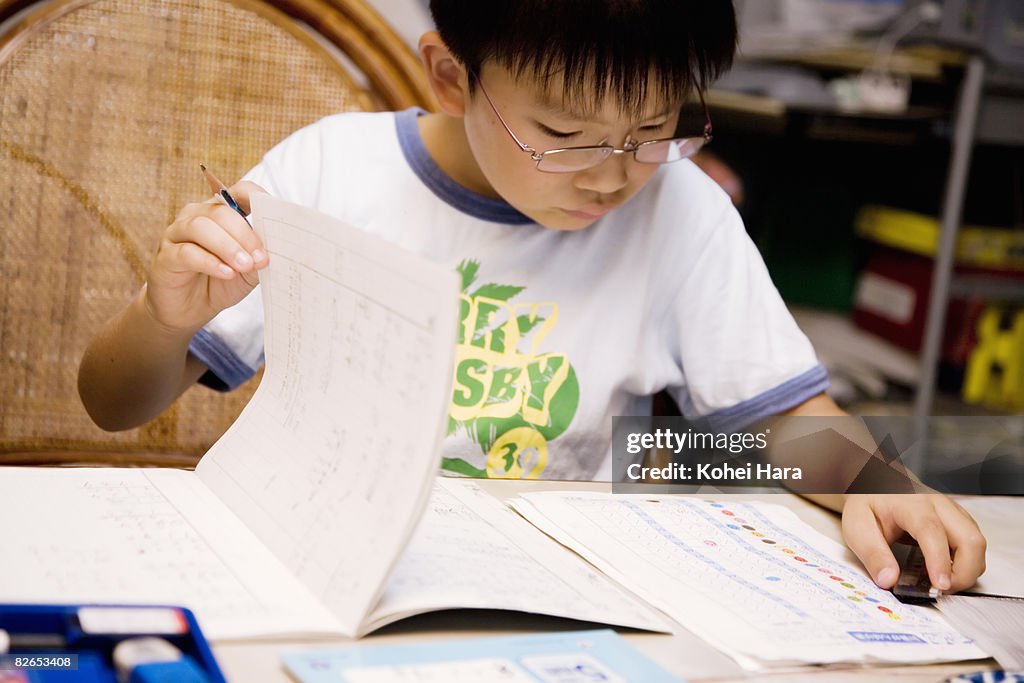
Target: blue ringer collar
x,y
446,189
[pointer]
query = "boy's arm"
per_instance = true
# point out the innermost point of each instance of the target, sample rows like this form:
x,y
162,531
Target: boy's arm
x,y
139,362
135,368
952,543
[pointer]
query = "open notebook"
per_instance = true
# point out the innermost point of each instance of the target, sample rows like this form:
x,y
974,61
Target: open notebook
x,y
319,510
294,520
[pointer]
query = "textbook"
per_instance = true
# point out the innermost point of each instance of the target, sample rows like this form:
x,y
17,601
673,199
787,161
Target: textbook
x,y
319,511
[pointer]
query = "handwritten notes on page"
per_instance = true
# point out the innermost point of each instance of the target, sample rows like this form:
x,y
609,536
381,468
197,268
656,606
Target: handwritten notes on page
x,y
136,536
750,578
472,551
294,519
332,462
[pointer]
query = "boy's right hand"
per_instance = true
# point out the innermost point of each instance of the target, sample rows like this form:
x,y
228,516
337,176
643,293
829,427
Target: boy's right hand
x,y
207,261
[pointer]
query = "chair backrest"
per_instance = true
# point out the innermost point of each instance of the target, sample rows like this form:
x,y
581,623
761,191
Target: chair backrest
x,y
106,109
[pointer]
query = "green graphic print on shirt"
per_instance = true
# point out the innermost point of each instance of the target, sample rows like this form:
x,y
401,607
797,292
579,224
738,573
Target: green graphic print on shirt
x,y
510,399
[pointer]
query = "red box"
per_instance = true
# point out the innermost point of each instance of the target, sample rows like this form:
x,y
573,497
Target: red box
x,y
891,300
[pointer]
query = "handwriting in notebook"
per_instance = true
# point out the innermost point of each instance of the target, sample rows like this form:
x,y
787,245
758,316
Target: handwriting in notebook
x,y
471,549
340,440
119,535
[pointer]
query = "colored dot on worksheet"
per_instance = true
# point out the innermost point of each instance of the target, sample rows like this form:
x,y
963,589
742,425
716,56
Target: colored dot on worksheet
x,y
846,585
748,527
895,617
716,505
836,578
733,526
741,520
757,535
885,609
709,542
871,599
788,551
768,541
800,559
811,565
729,512
854,598
772,578
860,593
824,571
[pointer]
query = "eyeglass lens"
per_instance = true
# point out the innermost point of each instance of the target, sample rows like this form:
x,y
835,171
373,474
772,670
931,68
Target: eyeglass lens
x,y
654,152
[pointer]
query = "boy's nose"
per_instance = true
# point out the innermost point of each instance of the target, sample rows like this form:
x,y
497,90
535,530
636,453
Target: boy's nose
x,y
607,177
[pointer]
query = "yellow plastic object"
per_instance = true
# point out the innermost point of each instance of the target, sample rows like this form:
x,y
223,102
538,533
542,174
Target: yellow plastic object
x,y
983,247
995,369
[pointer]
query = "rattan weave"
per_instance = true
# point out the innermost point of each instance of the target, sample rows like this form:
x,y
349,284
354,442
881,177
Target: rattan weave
x,y
106,109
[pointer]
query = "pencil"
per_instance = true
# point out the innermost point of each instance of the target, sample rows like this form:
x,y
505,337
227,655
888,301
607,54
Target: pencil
x,y
218,188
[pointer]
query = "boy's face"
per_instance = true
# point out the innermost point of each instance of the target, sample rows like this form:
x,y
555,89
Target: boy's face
x,y
543,120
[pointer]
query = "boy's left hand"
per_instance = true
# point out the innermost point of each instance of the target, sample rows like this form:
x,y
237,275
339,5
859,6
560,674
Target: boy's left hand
x,y
952,544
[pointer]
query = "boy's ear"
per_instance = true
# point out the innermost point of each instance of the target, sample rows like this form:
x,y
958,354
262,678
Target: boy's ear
x,y
446,75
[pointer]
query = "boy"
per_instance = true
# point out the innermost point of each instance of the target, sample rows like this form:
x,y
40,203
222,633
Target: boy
x,y
595,273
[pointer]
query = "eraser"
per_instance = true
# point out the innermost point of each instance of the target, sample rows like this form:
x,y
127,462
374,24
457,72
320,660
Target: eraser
x,y
184,670
154,660
913,584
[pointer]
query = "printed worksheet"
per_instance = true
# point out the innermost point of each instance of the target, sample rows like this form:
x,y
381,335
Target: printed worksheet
x,y
750,578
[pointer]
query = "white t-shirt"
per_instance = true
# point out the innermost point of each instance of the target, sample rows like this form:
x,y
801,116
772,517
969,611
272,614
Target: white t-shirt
x,y
560,330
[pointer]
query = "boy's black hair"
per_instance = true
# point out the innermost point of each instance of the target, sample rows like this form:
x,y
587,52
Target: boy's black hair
x,y
686,44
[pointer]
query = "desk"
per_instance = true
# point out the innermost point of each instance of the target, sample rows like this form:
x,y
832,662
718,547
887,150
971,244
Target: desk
x,y
683,654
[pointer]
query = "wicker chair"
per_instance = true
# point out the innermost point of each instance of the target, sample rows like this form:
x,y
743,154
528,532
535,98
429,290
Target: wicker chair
x,y
106,109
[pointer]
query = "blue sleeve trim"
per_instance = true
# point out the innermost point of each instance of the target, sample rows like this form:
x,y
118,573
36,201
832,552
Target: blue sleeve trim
x,y
226,370
777,400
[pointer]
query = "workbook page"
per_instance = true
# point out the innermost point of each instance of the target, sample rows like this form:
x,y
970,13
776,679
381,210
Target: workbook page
x,y
750,578
472,551
332,461
143,536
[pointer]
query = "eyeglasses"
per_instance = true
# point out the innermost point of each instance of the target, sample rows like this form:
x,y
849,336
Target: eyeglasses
x,y
572,159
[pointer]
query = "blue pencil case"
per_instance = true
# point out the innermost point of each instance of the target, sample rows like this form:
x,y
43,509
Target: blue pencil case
x,y
65,643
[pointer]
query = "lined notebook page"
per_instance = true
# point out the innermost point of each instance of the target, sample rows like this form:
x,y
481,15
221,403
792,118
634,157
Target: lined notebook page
x,y
138,536
470,550
332,461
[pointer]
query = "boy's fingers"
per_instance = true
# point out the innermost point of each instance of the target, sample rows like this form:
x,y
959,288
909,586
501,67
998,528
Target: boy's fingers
x,y
968,544
209,235
242,191
923,523
236,226
193,258
866,540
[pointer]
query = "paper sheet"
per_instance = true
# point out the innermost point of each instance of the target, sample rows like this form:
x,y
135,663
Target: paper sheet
x,y
999,518
750,578
138,536
332,461
472,551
